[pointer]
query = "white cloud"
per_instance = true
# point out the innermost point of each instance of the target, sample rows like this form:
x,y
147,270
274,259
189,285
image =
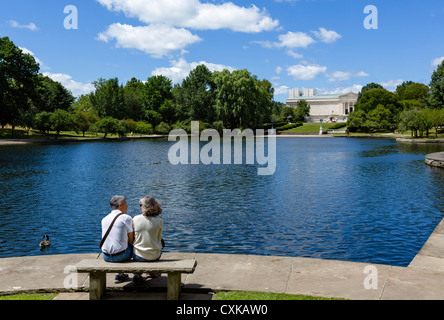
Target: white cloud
x,y
281,90
195,15
391,85
76,88
327,36
305,72
295,55
40,62
436,62
343,76
180,69
31,26
294,40
156,40
356,88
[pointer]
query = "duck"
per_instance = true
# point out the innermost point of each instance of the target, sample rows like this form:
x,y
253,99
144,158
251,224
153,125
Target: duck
x,y
45,243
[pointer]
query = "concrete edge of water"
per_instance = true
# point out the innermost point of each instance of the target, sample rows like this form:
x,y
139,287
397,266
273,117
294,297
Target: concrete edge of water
x,y
435,159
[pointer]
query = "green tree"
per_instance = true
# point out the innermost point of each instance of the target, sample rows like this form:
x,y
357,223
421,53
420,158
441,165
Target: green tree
x,y
108,125
133,99
144,128
196,95
357,120
367,87
410,90
108,100
84,104
302,111
379,118
61,120
436,98
42,122
435,119
18,82
83,120
374,98
415,121
53,95
240,99
168,111
157,89
163,128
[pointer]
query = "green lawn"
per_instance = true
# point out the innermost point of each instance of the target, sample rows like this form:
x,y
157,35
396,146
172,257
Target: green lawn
x,y
30,296
311,128
246,295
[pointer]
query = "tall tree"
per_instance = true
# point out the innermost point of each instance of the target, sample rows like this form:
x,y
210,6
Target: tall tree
x,y
107,100
133,99
436,98
53,95
240,99
18,82
157,89
367,87
196,95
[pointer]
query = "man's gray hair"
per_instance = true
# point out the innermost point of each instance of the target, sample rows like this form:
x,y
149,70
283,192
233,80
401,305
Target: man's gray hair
x,y
116,201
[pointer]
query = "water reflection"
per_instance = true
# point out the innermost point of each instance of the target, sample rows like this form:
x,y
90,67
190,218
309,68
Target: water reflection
x,y
364,200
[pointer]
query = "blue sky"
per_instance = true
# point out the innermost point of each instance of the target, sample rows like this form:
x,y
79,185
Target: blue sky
x,y
319,44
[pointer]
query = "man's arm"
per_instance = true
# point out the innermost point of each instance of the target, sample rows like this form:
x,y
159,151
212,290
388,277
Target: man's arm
x,y
131,238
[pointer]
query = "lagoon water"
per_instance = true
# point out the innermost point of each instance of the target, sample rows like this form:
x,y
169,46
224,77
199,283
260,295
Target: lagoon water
x,y
365,200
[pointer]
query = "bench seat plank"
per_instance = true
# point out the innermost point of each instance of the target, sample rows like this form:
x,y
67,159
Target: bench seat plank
x,y
162,266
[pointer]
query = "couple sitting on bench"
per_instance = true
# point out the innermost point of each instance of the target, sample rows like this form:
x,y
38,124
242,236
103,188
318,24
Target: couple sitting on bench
x,y
125,238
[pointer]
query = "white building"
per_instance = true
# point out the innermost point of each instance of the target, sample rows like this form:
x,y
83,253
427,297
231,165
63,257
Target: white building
x,y
328,107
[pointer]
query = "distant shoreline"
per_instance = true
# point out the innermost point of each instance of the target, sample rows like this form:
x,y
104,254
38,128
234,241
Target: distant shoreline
x,y
12,142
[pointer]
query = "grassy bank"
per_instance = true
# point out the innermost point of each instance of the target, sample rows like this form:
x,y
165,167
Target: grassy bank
x,y
245,295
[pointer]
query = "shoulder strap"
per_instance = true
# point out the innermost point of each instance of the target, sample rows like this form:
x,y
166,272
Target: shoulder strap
x,y
109,230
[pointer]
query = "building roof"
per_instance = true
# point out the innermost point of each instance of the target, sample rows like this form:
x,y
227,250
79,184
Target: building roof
x,y
322,96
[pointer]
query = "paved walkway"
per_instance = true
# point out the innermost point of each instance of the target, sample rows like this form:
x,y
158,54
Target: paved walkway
x,y
422,279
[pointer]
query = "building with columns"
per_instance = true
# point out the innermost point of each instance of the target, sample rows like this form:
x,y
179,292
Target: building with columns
x,y
328,107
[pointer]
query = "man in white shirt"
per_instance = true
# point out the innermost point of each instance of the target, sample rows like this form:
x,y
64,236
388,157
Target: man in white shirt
x,y
118,244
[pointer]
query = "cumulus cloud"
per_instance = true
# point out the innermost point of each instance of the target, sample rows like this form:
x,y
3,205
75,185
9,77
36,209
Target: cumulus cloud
x,y
180,69
168,23
195,15
76,88
327,36
294,40
156,40
305,72
391,85
31,26
343,76
356,88
436,62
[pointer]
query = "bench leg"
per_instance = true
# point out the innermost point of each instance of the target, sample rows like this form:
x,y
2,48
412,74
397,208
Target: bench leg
x,y
173,288
97,285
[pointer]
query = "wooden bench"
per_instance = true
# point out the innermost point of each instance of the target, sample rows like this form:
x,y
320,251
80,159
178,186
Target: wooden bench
x,y
98,268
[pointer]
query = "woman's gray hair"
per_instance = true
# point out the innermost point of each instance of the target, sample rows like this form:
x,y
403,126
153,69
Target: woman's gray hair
x,y
116,201
150,206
